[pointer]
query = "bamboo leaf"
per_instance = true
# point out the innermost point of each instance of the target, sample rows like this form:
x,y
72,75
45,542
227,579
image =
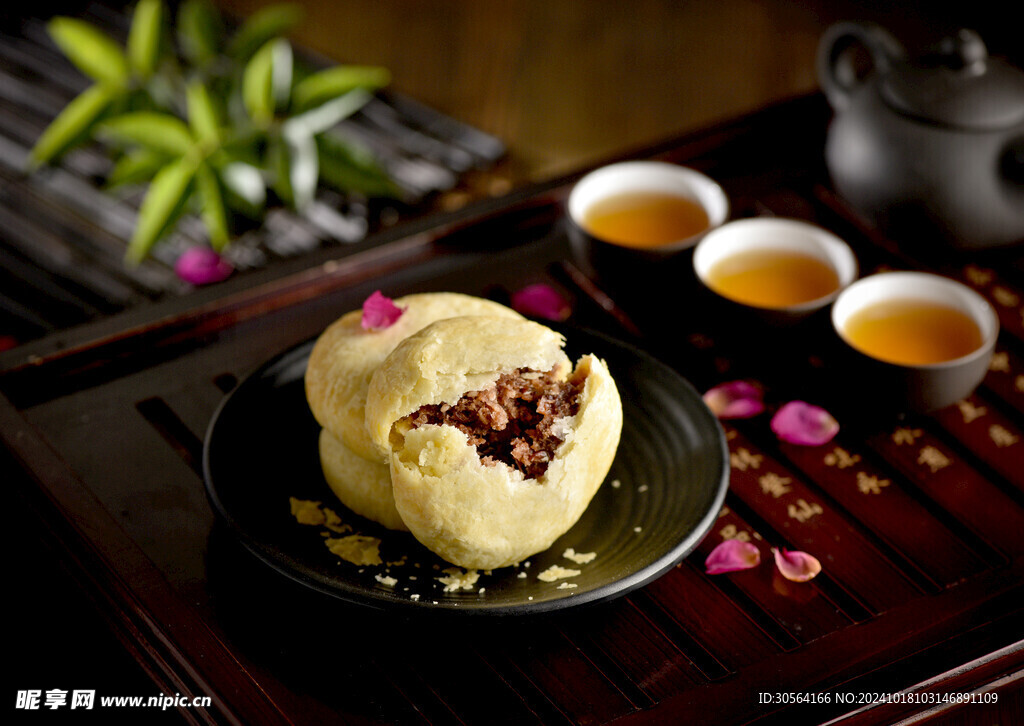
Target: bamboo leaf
x,y
203,115
136,167
144,37
157,131
257,85
164,201
212,211
263,25
330,83
199,31
91,50
72,124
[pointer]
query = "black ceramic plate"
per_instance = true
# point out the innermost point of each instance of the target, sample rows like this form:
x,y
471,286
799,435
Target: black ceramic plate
x,y
663,494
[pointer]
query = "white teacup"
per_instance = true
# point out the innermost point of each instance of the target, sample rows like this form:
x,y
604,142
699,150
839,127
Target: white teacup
x,y
748,237
917,386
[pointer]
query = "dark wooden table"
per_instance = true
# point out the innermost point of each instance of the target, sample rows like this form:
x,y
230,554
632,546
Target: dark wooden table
x,y
918,522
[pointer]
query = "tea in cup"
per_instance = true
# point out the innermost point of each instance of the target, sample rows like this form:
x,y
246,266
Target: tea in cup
x,y
779,269
637,212
920,339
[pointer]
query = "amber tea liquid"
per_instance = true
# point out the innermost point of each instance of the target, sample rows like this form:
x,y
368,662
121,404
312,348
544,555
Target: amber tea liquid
x,y
772,278
913,332
645,219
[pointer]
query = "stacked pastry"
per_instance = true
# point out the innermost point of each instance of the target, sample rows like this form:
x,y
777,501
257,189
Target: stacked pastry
x,y
463,423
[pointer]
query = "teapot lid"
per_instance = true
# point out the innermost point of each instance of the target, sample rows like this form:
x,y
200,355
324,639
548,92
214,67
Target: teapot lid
x,y
967,89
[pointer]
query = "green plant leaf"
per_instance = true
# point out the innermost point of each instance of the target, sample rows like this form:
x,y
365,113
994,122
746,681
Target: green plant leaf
x,y
212,210
330,83
200,31
144,37
281,74
164,201
327,115
303,167
72,125
136,167
157,131
349,167
263,25
257,85
203,115
246,190
91,50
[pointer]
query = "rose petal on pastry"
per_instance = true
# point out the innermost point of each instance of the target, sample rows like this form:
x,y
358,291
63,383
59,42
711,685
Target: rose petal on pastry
x,y
379,312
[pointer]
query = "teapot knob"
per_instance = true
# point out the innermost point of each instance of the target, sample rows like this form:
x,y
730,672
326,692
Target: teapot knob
x,y
966,51
837,71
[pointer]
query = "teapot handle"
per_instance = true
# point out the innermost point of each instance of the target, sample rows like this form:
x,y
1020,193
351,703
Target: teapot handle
x,y
836,70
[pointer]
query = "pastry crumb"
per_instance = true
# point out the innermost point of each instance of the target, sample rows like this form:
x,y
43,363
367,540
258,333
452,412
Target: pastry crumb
x,y
356,548
456,579
306,511
388,581
580,558
616,483
567,585
414,596
642,488
556,572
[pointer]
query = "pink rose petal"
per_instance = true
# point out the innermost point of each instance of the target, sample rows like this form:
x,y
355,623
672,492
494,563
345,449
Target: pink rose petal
x,y
202,266
796,566
737,399
805,424
542,301
732,555
380,312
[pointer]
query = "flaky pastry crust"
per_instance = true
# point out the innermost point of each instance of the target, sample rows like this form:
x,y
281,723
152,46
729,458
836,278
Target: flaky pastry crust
x,y
345,357
362,485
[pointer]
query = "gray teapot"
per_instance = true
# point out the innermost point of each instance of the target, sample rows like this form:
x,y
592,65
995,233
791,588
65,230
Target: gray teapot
x,y
930,148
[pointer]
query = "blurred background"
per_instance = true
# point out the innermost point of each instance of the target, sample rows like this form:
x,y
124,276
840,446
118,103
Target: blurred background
x,y
567,82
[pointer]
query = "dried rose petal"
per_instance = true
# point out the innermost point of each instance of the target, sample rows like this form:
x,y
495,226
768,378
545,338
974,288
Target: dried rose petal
x,y
805,424
542,301
732,555
380,312
202,266
737,399
796,566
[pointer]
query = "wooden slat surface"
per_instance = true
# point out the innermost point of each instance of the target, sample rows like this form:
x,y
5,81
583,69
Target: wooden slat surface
x,y
917,522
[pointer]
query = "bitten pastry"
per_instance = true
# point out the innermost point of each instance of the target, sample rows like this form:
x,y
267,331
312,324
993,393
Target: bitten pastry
x,y
497,445
345,357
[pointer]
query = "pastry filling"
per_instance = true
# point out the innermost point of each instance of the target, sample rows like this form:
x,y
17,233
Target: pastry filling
x,y
515,421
